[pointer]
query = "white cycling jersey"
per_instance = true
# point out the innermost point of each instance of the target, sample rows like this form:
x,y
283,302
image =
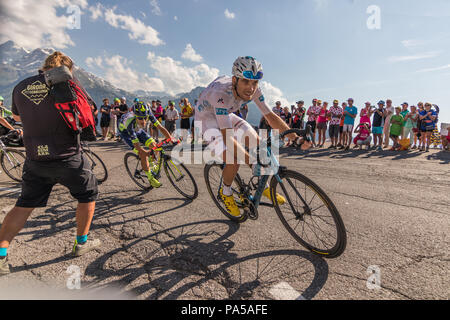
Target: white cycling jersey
x,y
216,105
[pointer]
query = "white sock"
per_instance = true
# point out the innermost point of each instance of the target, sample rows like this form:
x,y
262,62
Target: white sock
x,y
227,190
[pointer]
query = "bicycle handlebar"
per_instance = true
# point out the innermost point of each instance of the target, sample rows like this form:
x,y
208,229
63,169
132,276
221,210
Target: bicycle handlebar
x,y
167,141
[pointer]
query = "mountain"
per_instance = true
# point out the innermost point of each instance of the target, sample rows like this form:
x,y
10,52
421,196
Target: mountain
x,y
17,63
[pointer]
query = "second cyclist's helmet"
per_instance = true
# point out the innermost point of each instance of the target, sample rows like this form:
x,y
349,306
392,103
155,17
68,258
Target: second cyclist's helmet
x,y
141,110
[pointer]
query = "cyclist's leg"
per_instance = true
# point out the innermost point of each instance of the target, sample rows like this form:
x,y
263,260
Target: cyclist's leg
x,y
149,142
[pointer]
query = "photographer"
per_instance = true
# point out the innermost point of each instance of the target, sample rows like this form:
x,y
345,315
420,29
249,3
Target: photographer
x,y
53,155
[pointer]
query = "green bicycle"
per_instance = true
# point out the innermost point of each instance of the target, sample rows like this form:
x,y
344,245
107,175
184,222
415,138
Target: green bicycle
x,y
178,175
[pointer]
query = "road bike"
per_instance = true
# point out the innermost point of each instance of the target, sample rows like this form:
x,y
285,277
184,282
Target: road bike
x,y
177,173
12,160
308,213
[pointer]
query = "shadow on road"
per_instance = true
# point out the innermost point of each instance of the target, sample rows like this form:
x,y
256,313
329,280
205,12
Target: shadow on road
x,y
200,255
443,156
61,217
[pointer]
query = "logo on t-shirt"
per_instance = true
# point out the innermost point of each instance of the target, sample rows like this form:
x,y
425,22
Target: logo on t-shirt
x,y
221,112
36,92
43,151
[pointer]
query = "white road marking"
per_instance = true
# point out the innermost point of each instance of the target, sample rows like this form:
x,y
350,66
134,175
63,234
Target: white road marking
x,y
283,291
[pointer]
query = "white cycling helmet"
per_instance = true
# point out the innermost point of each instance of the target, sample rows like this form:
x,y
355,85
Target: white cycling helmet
x,y
247,68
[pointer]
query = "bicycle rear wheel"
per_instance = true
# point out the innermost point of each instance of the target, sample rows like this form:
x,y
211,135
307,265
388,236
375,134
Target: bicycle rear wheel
x,y
98,166
213,180
181,179
135,171
308,214
12,162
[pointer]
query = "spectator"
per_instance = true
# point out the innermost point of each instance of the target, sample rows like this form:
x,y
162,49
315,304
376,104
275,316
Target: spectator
x,y
186,113
313,112
153,131
445,139
396,128
350,113
123,108
172,115
53,156
335,114
322,121
105,119
298,121
404,112
388,112
278,110
113,123
342,141
377,130
287,117
159,115
427,118
194,131
435,136
410,127
363,137
366,113
95,116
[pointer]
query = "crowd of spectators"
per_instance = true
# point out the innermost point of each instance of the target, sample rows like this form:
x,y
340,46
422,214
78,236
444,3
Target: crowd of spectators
x,y
407,127
168,116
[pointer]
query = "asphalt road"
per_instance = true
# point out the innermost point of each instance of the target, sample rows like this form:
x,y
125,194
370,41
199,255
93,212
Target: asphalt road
x,y
158,245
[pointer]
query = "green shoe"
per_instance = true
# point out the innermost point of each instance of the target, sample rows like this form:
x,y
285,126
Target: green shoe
x,y
4,267
153,182
80,249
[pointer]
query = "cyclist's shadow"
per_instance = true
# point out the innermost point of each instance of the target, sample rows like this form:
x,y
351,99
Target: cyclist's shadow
x,y
189,261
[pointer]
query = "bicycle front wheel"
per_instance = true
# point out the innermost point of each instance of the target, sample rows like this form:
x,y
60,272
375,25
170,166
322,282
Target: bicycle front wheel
x,y
181,179
135,171
308,214
214,182
12,163
98,166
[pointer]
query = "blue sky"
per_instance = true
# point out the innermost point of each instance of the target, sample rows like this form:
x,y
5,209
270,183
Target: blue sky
x,y
308,48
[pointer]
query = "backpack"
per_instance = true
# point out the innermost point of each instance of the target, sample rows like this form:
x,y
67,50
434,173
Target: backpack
x,y
72,102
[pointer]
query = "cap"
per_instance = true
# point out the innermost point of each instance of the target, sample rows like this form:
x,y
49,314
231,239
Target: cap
x,y
381,102
405,103
301,101
336,101
171,103
1,98
123,98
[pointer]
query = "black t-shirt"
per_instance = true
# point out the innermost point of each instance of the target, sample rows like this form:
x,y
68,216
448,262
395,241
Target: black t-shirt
x,y
45,134
106,116
123,108
377,119
286,117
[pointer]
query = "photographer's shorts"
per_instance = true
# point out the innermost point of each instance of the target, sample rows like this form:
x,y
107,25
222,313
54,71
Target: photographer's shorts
x,y
39,178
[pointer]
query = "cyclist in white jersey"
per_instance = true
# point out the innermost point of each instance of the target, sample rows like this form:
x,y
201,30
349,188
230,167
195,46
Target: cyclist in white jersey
x,y
215,111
